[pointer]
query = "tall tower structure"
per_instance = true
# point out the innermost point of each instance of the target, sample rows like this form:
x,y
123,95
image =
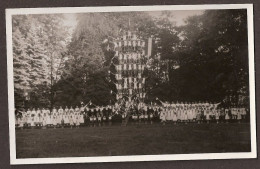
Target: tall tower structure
x,y
127,66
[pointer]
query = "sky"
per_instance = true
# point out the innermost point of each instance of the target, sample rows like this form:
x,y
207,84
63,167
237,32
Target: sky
x,y
177,16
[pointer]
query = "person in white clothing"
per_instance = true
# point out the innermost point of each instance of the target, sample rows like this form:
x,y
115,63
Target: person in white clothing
x,y
227,115
71,120
185,115
66,110
48,120
54,121
163,116
77,121
174,115
217,115
81,119
44,118
66,120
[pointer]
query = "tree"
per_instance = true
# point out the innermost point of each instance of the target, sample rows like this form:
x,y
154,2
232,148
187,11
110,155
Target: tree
x,y
164,60
206,59
85,72
32,47
89,58
213,55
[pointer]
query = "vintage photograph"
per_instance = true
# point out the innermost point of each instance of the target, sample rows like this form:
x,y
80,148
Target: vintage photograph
x,y
131,83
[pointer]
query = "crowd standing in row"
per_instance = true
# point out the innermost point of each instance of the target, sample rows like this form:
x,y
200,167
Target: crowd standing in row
x,y
165,113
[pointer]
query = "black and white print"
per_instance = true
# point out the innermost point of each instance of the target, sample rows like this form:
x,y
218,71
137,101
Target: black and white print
x,y
144,83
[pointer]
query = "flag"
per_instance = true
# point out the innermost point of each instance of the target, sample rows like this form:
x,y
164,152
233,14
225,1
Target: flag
x,y
105,40
148,47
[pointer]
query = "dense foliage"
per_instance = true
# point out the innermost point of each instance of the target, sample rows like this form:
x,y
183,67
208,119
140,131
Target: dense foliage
x,y
39,44
205,59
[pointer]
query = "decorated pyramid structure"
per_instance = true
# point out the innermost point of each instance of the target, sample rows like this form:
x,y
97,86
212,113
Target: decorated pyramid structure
x,y
129,62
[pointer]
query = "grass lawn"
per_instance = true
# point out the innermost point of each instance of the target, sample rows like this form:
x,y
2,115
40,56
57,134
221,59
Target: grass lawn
x,y
133,140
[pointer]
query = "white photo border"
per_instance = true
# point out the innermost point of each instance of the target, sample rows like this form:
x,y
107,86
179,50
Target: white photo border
x,y
168,157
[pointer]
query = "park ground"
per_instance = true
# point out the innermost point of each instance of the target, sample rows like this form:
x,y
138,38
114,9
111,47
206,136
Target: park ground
x,y
144,139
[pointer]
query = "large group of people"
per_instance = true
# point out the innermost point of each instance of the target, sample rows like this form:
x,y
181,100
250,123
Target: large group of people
x,y
68,117
202,112
137,113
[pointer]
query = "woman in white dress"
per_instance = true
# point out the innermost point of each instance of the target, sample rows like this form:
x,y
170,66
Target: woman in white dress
x,y
71,111
59,119
189,113
99,119
54,121
60,111
198,115
208,115
181,111
71,120
94,119
77,121
185,115
194,113
168,114
32,120
66,110
213,113
174,116
227,115
48,120
178,110
75,118
163,116
42,116
77,110
28,120
217,115
204,113
41,119
44,122
37,120
81,117
66,120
